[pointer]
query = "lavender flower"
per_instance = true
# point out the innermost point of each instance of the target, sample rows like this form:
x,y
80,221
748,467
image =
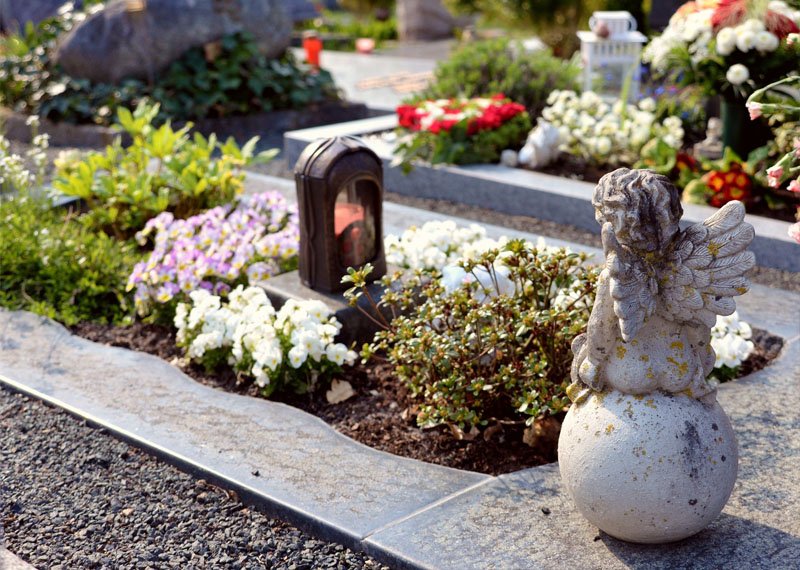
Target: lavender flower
x,y
216,250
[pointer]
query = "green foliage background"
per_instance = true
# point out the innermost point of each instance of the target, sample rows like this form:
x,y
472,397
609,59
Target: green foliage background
x,y
502,66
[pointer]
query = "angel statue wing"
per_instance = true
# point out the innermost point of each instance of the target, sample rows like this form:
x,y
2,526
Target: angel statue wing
x,y
692,282
707,268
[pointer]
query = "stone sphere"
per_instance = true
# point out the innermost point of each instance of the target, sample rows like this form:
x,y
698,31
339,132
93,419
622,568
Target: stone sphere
x,y
648,469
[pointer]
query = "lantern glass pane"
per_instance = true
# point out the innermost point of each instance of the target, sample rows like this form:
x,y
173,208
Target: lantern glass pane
x,y
354,222
609,78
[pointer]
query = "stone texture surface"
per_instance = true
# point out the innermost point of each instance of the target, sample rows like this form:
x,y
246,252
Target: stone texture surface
x,y
651,469
502,524
527,193
9,561
14,14
645,451
114,43
309,473
423,20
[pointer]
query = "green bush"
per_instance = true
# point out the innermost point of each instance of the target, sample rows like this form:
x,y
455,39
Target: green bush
x,y
55,266
162,170
350,27
238,80
501,66
494,348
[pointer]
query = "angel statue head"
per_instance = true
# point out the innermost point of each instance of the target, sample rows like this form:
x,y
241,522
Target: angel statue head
x,y
644,207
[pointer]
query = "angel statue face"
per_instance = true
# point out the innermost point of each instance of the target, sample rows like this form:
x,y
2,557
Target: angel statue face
x,y
643,207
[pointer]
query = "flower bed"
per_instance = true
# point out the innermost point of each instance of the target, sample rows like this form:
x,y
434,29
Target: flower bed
x,y
384,412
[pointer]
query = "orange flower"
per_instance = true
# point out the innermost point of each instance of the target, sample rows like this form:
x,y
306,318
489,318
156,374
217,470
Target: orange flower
x,y
716,181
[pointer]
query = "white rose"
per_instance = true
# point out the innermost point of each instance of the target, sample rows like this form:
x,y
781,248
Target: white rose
x,y
737,74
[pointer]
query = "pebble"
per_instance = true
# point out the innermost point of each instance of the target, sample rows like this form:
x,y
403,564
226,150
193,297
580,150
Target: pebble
x,y
75,498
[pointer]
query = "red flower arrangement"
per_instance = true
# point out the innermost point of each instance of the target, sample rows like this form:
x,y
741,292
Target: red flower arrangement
x,y
460,131
480,114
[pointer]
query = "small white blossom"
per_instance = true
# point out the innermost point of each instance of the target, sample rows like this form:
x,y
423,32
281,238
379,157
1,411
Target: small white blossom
x,y
737,74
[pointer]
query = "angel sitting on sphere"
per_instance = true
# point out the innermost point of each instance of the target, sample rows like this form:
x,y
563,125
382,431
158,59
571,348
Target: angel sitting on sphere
x,y
660,291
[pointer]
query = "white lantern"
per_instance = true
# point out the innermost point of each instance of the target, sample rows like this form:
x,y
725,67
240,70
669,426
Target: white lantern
x,y
611,52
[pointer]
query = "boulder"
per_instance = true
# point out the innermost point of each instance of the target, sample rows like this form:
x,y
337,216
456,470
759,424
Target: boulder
x,y
423,20
301,10
14,14
118,43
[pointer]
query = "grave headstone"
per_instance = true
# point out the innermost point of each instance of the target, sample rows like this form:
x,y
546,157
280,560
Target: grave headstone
x,y
117,42
300,10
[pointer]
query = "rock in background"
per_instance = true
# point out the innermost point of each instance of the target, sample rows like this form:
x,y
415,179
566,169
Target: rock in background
x,y
300,10
116,43
424,20
14,14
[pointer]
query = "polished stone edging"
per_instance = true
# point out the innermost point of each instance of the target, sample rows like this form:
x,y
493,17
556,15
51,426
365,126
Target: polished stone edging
x,y
406,513
524,192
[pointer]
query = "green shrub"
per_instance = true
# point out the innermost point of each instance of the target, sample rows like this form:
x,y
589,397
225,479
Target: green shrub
x,y
162,170
501,66
344,28
238,80
494,348
55,266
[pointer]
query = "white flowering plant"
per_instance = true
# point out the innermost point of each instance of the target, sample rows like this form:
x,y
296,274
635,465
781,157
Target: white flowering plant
x,y
437,244
730,339
14,176
728,47
292,348
606,134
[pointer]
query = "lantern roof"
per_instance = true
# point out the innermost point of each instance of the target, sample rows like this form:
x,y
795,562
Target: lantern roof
x,y
319,157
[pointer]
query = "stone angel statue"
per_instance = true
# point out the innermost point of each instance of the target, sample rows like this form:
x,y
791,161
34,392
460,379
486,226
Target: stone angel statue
x,y
660,291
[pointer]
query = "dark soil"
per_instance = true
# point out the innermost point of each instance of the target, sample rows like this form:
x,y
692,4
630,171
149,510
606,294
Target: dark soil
x,y
382,414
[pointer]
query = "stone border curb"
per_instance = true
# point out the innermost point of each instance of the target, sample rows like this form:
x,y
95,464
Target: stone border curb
x,y
10,561
524,192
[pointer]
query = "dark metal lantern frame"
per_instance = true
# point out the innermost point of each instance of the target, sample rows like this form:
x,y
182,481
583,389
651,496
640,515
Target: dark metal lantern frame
x,y
340,201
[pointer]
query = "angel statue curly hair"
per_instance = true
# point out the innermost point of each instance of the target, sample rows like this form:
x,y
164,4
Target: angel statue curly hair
x,y
638,202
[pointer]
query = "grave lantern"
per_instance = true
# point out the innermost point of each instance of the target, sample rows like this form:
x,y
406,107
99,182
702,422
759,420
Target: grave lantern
x,y
610,52
339,197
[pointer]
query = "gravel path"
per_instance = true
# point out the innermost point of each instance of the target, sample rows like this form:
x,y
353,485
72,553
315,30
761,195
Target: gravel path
x,y
73,497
